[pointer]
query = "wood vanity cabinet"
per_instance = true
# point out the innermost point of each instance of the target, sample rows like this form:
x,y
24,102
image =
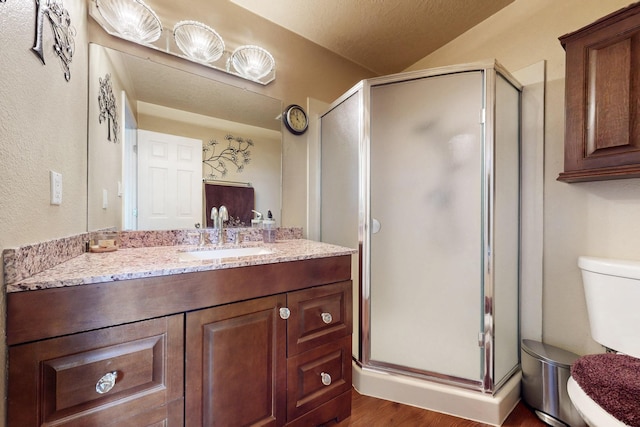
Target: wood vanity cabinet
x,y
602,99
319,354
267,361
235,370
66,380
266,345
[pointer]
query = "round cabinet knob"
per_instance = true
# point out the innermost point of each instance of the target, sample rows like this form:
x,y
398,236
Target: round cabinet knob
x,y
326,378
285,313
107,382
327,318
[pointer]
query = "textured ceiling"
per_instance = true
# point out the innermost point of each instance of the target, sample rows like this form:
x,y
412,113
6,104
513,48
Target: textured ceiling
x,y
384,36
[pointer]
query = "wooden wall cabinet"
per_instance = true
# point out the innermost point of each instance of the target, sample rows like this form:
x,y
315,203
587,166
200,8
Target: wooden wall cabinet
x,y
266,345
602,99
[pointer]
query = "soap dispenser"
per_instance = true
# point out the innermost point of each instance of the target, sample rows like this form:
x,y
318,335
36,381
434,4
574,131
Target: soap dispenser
x,y
269,229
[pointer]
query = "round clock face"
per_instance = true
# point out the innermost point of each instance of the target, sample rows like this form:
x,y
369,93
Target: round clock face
x,y
296,119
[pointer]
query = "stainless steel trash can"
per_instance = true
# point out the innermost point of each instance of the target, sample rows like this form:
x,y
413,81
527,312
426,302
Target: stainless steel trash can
x,y
545,371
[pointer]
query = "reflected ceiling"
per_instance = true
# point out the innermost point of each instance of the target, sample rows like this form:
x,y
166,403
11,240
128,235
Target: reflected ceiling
x,y
184,91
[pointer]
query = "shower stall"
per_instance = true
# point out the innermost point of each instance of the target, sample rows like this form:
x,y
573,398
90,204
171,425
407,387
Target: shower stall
x,y
420,171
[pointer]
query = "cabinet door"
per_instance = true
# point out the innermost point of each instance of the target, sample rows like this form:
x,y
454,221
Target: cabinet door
x,y
602,129
236,365
318,316
124,375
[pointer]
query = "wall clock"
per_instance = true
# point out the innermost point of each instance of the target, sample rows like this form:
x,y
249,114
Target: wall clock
x,y
295,119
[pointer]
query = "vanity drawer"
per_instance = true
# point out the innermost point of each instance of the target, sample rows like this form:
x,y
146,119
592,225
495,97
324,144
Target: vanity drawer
x,y
99,377
318,316
317,376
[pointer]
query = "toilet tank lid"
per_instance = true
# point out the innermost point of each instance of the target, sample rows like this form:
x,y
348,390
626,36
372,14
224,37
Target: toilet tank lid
x,y
611,267
549,354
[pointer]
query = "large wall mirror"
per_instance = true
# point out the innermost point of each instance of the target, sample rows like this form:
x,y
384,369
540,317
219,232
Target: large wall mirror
x,y
147,118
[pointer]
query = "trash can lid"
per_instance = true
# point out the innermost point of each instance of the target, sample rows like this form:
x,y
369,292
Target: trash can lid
x,y
549,354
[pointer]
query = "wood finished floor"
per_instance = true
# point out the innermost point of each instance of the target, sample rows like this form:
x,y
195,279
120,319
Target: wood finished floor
x,y
371,412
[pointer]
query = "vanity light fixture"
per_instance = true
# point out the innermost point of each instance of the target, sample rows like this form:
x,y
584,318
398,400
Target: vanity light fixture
x,y
252,62
132,19
135,21
198,41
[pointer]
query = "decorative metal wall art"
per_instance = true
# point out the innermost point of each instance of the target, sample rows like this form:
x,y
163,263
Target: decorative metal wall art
x,y
63,32
108,108
236,153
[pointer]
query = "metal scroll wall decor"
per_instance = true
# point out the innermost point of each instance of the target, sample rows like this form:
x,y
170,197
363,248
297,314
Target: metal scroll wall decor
x,y
108,108
63,32
236,153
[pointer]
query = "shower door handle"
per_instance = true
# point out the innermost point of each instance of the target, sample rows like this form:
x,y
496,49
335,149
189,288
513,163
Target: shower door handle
x,y
375,226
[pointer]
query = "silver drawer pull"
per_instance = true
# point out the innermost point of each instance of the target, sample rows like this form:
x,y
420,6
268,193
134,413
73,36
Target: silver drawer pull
x,y
326,378
285,313
327,318
107,382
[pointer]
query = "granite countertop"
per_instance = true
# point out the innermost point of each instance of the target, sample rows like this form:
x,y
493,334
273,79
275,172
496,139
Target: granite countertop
x,y
156,261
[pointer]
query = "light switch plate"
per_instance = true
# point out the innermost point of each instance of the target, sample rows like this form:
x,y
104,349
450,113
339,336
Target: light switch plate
x,y
56,187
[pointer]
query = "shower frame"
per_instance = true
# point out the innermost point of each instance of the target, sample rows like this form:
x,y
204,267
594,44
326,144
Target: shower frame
x,y
491,70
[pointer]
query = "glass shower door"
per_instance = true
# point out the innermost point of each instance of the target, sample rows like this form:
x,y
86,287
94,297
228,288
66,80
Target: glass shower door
x,y
426,225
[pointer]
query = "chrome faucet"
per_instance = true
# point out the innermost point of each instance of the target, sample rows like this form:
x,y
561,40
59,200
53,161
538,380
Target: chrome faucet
x,y
214,217
219,217
223,215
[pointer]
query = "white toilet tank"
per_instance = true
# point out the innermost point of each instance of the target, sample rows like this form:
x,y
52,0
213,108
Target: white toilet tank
x,y
612,292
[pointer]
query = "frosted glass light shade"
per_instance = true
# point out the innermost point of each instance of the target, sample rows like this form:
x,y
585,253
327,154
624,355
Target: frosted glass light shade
x,y
252,62
198,41
132,19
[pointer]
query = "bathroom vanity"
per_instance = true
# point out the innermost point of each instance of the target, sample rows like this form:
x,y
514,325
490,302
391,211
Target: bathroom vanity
x,y
259,342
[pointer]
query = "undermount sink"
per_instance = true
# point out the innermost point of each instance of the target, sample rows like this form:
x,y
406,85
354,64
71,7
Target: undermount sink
x,y
213,254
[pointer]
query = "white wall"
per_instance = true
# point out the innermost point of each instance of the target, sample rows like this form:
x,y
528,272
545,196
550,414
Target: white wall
x,y
43,127
597,218
104,154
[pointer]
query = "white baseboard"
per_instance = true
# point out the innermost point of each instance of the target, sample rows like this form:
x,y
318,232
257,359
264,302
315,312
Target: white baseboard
x,y
450,400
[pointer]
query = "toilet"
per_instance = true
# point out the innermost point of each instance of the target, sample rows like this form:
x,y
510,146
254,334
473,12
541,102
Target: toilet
x,y
605,388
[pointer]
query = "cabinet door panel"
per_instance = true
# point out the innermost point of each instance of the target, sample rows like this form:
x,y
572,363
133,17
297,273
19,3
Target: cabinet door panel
x,y
602,88
317,376
235,365
318,316
55,382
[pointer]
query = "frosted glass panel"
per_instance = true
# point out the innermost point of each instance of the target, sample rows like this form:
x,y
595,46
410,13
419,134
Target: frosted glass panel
x,y
506,232
340,176
426,192
340,129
